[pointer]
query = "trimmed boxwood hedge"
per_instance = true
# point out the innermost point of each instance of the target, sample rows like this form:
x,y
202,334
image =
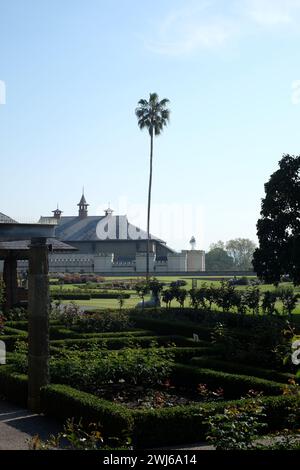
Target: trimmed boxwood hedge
x,y
59,332
122,341
172,327
171,426
88,296
244,369
234,385
161,426
11,340
13,386
62,402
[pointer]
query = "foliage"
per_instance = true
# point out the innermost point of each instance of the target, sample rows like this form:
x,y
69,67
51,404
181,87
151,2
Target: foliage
x,y
241,251
288,298
62,402
103,321
17,314
68,314
152,115
278,229
87,370
268,303
217,259
76,436
238,426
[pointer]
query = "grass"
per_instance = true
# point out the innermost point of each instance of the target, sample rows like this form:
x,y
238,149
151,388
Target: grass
x,y
103,304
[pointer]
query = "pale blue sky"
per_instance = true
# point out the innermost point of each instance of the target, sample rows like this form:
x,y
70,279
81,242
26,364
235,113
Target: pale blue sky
x,y
74,71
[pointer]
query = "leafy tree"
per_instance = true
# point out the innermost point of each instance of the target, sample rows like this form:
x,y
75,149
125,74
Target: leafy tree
x,y
217,259
278,229
241,251
152,115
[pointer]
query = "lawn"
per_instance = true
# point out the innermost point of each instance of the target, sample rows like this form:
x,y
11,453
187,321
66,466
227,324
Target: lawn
x,y
103,304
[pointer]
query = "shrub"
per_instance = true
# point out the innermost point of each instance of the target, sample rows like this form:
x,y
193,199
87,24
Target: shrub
x,y
17,314
244,369
63,402
13,386
162,426
237,426
288,298
103,321
234,385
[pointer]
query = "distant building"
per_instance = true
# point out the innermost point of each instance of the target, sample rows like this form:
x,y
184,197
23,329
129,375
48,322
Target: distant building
x,y
110,244
94,235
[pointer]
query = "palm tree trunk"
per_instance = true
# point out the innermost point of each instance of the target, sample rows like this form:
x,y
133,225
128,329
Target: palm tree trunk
x,y
149,205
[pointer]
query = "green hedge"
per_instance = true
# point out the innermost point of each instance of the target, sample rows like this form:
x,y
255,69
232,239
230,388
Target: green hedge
x,y
14,331
11,340
63,296
13,387
110,295
244,369
62,402
234,385
172,327
177,425
88,295
185,354
19,324
122,341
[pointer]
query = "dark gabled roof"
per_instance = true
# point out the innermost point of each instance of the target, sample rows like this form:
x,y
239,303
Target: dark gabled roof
x,y
77,229
4,219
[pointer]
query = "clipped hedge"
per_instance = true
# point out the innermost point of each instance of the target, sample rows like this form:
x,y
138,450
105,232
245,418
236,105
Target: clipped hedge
x,y
13,386
64,296
62,402
65,333
88,295
17,324
171,426
122,341
10,340
14,331
185,354
110,295
234,385
244,369
172,327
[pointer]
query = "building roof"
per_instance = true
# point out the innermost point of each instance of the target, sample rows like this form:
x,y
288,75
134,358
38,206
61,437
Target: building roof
x,y
95,228
82,201
4,219
20,248
21,245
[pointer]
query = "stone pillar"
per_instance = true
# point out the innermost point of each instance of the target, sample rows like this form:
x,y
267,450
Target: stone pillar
x,y
11,282
38,322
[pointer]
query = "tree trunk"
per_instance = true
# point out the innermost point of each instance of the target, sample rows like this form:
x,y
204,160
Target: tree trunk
x,y
149,205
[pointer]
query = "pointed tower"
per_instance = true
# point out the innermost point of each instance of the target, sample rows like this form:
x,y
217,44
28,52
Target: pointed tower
x,y
57,213
83,205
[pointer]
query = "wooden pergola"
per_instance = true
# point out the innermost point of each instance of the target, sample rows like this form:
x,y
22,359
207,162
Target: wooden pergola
x,y
32,242
13,251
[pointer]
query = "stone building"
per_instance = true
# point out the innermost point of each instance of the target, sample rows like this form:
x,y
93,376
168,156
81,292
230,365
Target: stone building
x,y
110,244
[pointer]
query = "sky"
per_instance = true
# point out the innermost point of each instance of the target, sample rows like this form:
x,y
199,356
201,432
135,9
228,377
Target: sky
x,y
72,72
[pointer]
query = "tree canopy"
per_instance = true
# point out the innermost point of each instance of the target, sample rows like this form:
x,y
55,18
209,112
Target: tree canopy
x,y
235,255
278,229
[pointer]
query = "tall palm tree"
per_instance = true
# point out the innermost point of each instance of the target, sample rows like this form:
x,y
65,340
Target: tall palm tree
x,y
152,115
